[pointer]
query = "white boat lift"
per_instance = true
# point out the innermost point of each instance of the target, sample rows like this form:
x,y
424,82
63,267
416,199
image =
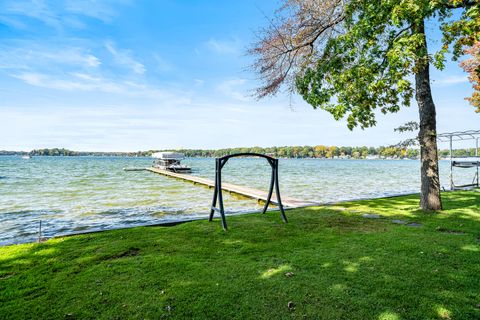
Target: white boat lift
x,y
170,161
463,162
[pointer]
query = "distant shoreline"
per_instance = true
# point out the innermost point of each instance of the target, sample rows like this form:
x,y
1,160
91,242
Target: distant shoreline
x,y
300,152
206,157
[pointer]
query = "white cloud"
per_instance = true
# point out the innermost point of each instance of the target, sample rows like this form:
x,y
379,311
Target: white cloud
x,y
123,57
13,22
162,64
77,81
92,61
231,89
58,14
450,80
198,82
78,69
224,46
28,55
38,10
100,10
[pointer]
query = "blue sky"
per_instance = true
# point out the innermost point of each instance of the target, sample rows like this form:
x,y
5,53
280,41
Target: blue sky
x,y
135,75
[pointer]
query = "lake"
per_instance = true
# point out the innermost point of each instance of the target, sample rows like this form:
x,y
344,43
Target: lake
x,y
78,194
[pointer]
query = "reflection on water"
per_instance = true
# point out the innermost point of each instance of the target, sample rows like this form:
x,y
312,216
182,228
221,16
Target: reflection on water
x,y
94,193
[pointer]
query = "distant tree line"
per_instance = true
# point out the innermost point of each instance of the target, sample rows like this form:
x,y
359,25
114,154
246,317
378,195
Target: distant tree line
x,y
66,152
322,151
11,153
319,151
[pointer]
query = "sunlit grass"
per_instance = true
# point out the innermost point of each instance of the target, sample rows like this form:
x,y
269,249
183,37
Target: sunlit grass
x,y
274,271
326,263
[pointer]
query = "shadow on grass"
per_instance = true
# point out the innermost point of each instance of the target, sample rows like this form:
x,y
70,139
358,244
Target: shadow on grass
x,y
339,266
461,209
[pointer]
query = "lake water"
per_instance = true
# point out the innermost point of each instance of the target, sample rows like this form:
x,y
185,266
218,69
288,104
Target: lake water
x,y
73,194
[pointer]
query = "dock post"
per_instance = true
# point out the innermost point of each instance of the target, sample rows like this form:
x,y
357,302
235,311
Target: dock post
x,y
40,231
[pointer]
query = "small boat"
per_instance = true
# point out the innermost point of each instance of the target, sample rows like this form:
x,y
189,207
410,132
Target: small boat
x,y
26,157
170,161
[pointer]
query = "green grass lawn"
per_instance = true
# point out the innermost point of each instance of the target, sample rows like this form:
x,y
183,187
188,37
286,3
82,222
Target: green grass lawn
x,y
327,263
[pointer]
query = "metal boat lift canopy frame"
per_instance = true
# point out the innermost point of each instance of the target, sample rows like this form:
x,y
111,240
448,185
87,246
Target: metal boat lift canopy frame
x,y
217,194
462,136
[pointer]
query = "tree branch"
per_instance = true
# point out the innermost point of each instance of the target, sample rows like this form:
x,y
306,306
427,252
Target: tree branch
x,y
290,43
463,4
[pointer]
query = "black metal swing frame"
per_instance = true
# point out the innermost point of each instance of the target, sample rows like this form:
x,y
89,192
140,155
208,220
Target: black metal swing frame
x,y
217,194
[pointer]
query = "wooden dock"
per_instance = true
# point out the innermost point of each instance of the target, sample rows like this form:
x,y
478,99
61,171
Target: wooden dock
x,y
259,195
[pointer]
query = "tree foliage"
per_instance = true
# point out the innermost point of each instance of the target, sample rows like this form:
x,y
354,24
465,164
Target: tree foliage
x,y
319,151
472,67
293,41
351,58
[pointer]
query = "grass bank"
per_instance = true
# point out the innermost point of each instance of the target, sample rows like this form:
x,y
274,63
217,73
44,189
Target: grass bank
x,y
326,263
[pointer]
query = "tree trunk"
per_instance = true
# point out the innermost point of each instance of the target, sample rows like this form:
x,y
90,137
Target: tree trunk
x,y
430,188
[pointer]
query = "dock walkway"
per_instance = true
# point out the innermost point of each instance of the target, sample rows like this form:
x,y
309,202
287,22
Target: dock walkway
x,y
258,195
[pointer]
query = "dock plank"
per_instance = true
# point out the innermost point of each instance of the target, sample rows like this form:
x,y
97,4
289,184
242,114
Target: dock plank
x,y
256,194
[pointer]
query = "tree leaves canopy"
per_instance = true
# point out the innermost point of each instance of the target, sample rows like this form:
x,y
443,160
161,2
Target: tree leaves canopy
x,y
472,67
353,57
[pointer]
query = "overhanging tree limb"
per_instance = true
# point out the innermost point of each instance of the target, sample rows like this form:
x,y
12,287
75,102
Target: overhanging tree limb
x,y
361,58
288,44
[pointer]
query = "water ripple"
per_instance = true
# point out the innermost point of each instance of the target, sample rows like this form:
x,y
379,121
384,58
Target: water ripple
x,y
71,194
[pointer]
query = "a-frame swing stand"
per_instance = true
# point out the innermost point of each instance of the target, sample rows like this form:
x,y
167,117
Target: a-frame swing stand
x,y
217,194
